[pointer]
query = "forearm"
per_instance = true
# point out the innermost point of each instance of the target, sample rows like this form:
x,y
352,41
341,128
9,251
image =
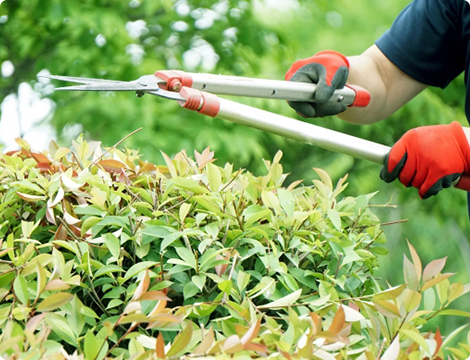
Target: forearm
x,y
389,87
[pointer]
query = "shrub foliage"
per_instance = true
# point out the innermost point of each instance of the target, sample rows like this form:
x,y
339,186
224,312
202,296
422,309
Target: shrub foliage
x,y
105,255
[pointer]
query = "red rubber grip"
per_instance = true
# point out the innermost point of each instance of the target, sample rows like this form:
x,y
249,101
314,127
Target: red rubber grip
x,y
362,96
175,79
200,101
464,182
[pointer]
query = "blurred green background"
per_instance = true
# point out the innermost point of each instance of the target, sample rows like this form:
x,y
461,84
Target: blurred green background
x,y
123,40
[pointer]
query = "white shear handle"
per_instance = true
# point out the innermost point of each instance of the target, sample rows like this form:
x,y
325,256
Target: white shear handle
x,y
350,95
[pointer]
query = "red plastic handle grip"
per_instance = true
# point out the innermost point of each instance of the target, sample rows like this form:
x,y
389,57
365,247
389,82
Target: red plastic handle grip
x,y
175,79
464,182
200,101
362,96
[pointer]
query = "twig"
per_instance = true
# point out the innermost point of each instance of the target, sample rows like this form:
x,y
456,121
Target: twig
x,y
394,222
232,180
114,146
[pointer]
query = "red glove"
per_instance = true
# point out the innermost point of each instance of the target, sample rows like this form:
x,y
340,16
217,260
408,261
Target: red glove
x,y
329,70
429,158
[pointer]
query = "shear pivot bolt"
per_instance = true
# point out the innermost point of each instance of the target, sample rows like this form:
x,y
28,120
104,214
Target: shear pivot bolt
x,y
174,85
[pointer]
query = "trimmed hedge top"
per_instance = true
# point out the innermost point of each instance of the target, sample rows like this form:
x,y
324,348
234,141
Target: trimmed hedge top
x,y
103,254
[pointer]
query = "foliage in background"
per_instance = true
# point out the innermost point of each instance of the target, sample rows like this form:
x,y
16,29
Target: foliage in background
x,y
102,254
123,40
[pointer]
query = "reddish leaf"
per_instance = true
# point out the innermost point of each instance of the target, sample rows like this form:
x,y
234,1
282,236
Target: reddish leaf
x,y
256,347
40,158
44,167
353,306
54,301
317,323
146,167
338,321
286,355
61,233
438,339
433,268
207,156
251,333
220,269
154,295
160,347
133,318
232,345
34,322
143,286
159,319
206,343
77,231
112,166
56,284
181,341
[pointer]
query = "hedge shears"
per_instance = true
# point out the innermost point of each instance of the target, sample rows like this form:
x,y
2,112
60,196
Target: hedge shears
x,y
197,92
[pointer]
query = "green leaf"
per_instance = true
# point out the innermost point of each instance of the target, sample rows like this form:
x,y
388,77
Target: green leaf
x,y
242,280
453,312
54,301
287,201
113,244
285,301
120,221
20,287
183,211
335,219
390,294
187,256
252,218
157,231
452,335
409,272
189,290
199,281
107,269
324,177
416,261
411,299
91,348
169,239
137,268
264,285
60,326
416,336
76,318
190,185
89,223
213,176
181,341
351,256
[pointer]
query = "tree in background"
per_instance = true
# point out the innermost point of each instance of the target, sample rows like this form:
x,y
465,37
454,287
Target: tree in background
x,y
123,40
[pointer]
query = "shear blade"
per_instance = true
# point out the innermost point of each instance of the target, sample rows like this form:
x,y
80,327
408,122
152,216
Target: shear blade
x,y
78,80
145,84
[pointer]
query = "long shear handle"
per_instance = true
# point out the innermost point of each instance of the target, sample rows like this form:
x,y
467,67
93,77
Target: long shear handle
x,y
211,105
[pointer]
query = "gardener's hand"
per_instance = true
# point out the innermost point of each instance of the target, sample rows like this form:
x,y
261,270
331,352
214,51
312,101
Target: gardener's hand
x,y
429,158
329,70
